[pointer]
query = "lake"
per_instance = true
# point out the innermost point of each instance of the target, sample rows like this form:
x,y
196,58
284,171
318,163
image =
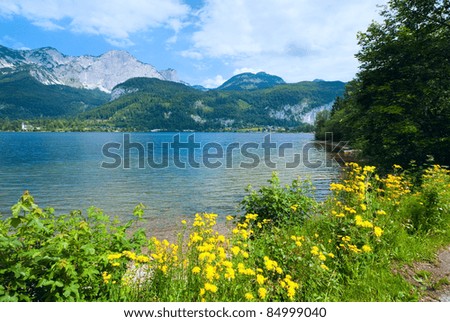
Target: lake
x,y
174,175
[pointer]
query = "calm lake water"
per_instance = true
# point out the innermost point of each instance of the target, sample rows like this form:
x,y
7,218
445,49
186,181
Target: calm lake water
x,y
111,171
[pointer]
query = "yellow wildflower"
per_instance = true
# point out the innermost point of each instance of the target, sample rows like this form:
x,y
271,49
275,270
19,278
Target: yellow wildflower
x,y
184,222
227,264
337,186
378,231
229,273
142,259
291,292
346,238
324,267
369,169
354,248
114,256
251,216
198,223
229,218
235,250
196,270
210,287
195,237
315,250
322,257
365,224
270,264
210,272
249,272
350,210
129,254
294,207
366,249
249,296
262,292
106,277
381,212
244,234
260,279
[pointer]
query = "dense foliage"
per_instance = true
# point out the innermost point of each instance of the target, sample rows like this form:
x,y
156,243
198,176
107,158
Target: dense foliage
x,y
280,204
398,107
347,248
22,96
46,257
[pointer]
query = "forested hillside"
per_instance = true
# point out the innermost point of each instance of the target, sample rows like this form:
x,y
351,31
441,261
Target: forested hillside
x,y
22,96
147,104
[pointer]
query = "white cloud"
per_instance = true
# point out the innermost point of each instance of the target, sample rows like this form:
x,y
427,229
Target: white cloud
x,y
214,82
295,39
11,42
191,54
246,70
47,25
115,20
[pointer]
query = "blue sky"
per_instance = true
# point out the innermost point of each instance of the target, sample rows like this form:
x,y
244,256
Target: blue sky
x,y
206,41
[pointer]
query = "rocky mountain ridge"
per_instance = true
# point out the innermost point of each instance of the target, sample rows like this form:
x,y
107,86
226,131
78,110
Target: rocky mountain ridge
x,y
104,72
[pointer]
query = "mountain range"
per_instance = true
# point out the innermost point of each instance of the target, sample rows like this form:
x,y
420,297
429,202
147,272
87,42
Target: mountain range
x,y
50,67
115,91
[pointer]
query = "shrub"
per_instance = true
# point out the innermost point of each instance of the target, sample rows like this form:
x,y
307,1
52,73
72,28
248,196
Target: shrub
x,y
280,204
58,258
428,209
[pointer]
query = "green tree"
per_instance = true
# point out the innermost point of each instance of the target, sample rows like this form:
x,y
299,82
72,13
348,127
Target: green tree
x,y
398,107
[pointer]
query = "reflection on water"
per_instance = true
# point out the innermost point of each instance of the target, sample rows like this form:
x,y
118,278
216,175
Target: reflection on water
x,y
63,170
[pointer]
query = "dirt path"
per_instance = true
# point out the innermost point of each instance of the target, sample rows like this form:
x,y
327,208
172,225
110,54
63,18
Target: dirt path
x,y
433,278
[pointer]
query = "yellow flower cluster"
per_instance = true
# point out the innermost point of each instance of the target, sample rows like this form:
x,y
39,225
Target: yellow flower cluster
x,y
395,186
106,277
216,261
353,207
377,231
298,240
138,259
272,265
357,182
321,256
165,254
362,223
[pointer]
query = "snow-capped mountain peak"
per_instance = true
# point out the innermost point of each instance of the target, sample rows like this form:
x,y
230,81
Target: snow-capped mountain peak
x,y
103,72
